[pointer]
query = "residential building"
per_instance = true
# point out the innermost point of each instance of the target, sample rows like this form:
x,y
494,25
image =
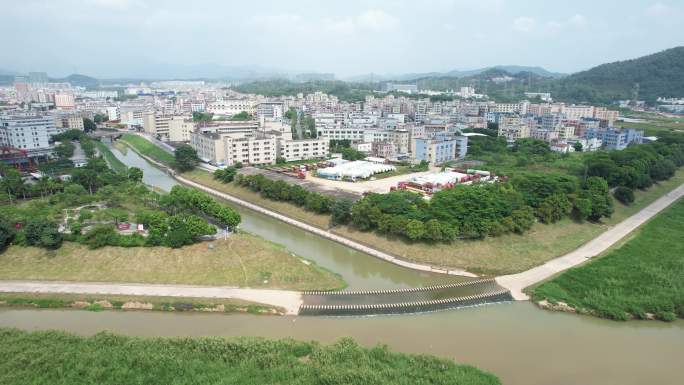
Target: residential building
x,y
65,101
441,149
615,139
27,132
180,128
293,150
157,124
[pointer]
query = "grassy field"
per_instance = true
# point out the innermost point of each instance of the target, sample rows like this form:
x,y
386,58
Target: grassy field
x,y
654,123
205,178
511,253
57,357
114,162
242,260
148,148
642,278
118,302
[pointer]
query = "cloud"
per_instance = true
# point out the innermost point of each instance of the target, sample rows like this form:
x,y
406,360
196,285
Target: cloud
x,y
578,21
118,5
524,24
377,20
658,9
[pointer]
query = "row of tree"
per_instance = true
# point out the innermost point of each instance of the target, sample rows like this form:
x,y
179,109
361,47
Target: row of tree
x,y
282,191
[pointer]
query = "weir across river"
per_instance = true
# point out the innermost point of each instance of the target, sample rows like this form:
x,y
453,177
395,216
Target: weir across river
x,y
413,300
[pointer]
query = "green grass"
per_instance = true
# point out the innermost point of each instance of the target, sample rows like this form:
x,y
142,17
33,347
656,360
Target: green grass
x,y
114,162
59,358
242,260
641,278
118,302
148,148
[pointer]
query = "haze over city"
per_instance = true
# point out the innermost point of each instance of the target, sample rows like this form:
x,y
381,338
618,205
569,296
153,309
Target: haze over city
x,y
162,39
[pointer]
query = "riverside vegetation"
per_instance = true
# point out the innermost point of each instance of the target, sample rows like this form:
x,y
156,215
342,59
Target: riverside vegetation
x,y
64,227
640,279
105,358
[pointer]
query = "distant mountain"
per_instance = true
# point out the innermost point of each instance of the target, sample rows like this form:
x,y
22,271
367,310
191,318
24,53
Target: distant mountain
x,y
6,72
652,76
79,80
511,69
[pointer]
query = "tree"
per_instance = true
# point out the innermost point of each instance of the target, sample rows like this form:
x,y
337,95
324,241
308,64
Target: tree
x,y
85,177
12,183
243,115
6,233
186,158
225,175
135,174
554,208
280,160
433,230
42,233
578,146
101,236
65,150
624,194
99,118
415,229
202,117
341,211
596,190
89,125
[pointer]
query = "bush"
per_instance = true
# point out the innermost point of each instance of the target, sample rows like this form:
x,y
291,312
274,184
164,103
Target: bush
x,y
624,195
42,233
100,236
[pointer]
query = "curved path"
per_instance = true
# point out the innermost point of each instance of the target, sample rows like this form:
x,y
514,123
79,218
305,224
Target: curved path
x,y
516,283
288,300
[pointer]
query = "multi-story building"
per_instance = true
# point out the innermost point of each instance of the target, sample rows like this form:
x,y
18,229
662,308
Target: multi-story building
x,y
27,132
180,128
441,149
230,107
65,101
113,113
293,150
270,110
157,124
68,121
513,128
615,139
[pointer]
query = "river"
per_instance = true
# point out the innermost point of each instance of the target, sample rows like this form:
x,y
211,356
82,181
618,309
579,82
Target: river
x,y
516,341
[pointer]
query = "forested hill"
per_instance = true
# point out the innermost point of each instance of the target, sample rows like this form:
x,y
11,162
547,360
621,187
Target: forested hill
x,y
659,74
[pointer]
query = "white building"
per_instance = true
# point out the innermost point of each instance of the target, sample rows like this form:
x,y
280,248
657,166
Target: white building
x,y
180,128
293,150
27,132
230,107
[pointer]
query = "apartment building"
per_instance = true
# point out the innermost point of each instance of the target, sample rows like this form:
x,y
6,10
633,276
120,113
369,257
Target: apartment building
x,y
293,150
27,132
180,128
270,110
615,139
230,107
441,149
157,124
68,121
513,128
400,138
65,101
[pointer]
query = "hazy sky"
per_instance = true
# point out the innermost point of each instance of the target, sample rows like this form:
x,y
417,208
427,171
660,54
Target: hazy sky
x,y
111,38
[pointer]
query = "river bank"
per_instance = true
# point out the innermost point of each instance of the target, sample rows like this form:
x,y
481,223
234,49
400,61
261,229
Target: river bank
x,y
641,279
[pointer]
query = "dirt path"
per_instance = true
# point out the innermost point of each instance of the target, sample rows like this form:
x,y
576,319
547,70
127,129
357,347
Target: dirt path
x,y
517,282
289,300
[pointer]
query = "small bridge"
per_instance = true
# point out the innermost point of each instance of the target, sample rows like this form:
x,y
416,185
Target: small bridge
x,y
413,300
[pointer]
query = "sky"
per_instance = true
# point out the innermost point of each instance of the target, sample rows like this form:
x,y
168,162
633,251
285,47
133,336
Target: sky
x,y
144,38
